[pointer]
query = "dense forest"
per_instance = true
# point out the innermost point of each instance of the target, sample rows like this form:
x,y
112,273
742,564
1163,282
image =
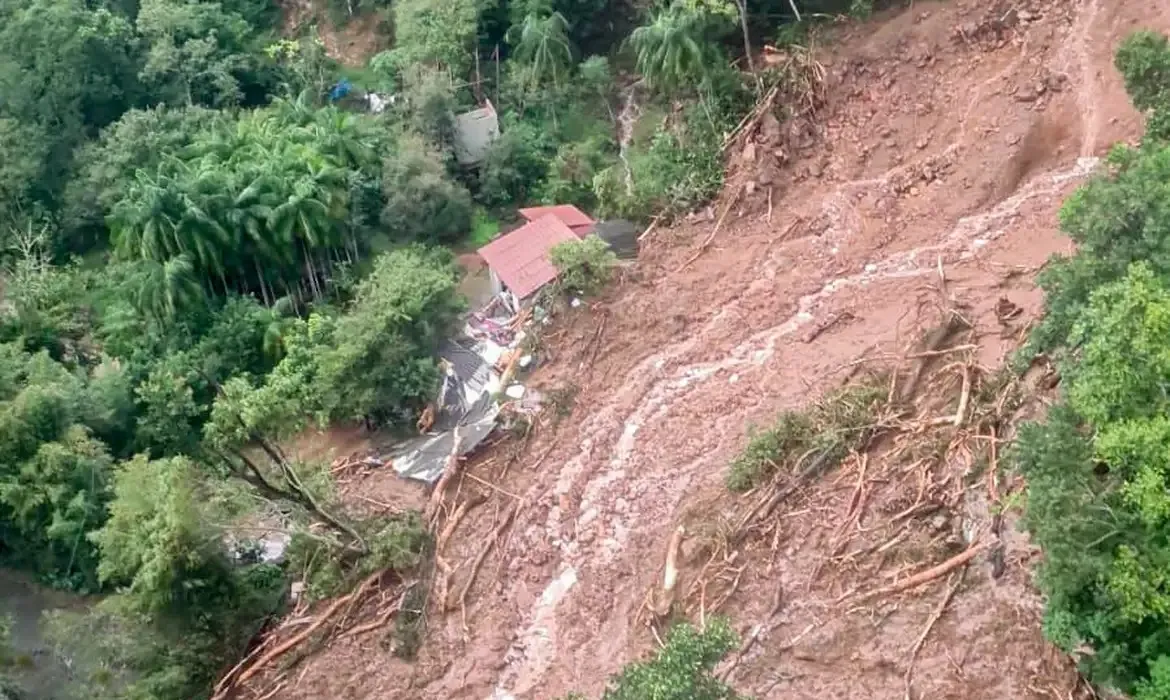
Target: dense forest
x,y
208,246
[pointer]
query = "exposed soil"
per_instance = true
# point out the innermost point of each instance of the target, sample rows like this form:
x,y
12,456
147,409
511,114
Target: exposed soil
x,y
351,44
951,135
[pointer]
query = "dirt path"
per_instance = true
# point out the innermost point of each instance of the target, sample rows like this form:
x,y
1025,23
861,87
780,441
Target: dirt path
x,y
954,131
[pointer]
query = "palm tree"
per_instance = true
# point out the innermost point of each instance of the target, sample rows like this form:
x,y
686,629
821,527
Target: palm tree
x,y
543,46
169,287
672,52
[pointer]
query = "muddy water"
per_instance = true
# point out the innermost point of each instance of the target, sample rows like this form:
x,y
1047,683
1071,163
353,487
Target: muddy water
x,y
38,671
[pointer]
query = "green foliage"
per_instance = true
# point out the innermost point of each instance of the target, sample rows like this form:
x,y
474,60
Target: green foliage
x,y
65,71
674,51
197,52
396,543
815,440
516,165
183,603
584,266
436,34
423,203
1143,60
1097,466
1115,219
542,49
259,205
682,669
861,9
137,141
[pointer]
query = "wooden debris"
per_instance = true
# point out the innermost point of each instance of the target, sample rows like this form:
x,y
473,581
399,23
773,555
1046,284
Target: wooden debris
x,y
426,420
934,618
714,232
449,470
483,552
382,619
298,638
922,577
835,319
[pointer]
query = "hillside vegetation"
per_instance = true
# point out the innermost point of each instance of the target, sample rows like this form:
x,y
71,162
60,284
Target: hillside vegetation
x,y
1097,466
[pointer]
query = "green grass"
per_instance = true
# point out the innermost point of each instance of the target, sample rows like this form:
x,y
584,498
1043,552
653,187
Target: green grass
x,y
484,229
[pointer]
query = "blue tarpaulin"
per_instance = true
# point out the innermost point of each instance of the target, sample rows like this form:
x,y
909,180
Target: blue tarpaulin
x,y
340,90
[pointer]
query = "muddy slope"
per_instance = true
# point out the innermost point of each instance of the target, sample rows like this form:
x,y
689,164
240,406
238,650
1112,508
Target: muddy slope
x,y
954,130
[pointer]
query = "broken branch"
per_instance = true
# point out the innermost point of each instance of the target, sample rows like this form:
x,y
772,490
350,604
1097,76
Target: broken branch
x,y
449,470
924,576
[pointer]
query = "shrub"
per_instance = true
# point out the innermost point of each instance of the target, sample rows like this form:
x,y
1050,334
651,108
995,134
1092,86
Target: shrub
x,y
1097,467
682,669
585,266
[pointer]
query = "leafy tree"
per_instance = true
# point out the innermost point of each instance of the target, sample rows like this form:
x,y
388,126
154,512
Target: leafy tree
x,y
259,205
541,45
422,202
435,34
198,53
1097,467
65,72
515,166
139,140
382,365
673,51
1144,62
184,603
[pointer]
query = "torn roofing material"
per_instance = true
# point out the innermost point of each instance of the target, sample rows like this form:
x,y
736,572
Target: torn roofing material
x,y
521,258
424,457
465,401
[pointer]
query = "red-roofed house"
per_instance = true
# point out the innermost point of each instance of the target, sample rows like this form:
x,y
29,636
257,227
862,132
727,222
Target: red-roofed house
x,y
573,217
519,260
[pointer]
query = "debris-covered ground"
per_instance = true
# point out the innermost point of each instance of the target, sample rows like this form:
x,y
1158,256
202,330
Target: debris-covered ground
x,y
926,186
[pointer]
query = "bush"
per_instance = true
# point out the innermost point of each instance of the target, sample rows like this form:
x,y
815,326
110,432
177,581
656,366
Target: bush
x,y
682,669
584,266
1098,467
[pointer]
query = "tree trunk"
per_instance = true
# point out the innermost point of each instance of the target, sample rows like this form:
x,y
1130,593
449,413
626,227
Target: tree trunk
x,y
747,42
263,287
300,494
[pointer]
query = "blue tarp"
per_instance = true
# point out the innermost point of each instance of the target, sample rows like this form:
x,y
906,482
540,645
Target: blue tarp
x,y
340,90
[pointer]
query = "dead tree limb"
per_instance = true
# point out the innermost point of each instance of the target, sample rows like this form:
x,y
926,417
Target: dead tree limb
x,y
924,576
934,618
483,552
449,470
296,639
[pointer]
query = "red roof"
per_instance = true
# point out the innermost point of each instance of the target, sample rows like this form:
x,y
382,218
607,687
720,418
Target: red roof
x,y
520,258
573,217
